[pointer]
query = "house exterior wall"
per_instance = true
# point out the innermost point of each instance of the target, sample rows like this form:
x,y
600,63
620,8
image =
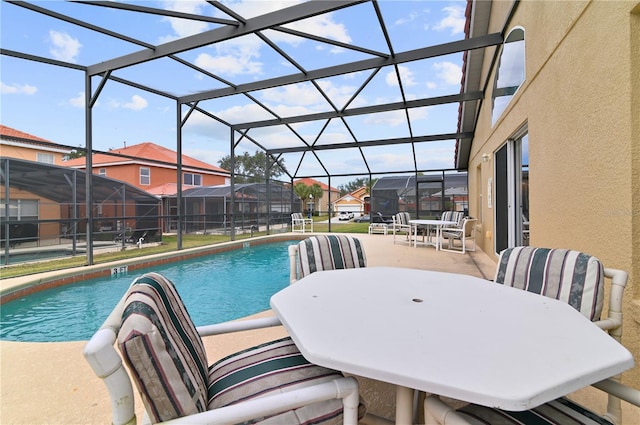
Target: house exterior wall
x,y
352,202
31,153
329,195
130,173
581,103
47,210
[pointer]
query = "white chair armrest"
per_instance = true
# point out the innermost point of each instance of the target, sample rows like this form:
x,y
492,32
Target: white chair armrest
x,y
613,322
623,392
238,326
107,365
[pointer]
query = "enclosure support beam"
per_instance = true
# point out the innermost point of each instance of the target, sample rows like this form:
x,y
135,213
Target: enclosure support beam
x,y
179,205
89,165
7,228
233,185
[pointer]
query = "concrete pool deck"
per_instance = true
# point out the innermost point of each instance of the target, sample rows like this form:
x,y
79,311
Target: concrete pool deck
x,y
51,383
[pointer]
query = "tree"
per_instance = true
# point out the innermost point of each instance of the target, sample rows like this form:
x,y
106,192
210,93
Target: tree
x,y
75,153
252,168
303,192
356,184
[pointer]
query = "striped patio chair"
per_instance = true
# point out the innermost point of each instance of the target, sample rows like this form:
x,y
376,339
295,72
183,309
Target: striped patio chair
x,y
269,383
577,279
401,225
299,223
467,231
325,252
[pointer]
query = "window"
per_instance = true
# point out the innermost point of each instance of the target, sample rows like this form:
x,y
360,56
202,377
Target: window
x,y
190,179
145,176
21,209
512,192
510,74
46,158
102,171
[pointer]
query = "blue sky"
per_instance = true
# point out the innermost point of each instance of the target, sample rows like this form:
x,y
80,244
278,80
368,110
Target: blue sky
x,y
48,101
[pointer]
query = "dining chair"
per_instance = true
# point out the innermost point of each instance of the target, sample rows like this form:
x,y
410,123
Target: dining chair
x,y
455,216
270,383
325,252
466,232
299,223
578,279
401,225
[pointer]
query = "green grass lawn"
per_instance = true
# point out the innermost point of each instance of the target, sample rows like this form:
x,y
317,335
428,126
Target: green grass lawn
x,y
169,244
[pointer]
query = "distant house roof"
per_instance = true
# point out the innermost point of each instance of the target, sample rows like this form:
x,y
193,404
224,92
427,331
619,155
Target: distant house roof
x,y
8,134
244,191
355,195
309,182
140,153
167,189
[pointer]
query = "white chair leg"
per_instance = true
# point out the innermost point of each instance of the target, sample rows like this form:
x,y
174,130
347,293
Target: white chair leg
x,y
438,413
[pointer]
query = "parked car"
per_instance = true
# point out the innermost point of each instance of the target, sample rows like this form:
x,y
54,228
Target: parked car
x,y
363,219
345,215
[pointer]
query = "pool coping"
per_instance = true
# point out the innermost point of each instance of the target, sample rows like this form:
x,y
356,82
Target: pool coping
x,y
17,287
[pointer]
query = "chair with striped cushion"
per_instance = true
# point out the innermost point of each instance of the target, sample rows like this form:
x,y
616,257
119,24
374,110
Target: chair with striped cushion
x,y
270,383
464,233
325,252
401,225
299,223
577,279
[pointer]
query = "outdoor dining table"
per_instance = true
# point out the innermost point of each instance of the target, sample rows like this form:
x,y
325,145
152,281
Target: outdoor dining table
x,y
449,334
428,239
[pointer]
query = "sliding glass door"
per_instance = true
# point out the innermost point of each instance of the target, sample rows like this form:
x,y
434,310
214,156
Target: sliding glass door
x,y
512,192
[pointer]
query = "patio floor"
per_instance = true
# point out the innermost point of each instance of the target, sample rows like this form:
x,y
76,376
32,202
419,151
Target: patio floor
x,y
52,383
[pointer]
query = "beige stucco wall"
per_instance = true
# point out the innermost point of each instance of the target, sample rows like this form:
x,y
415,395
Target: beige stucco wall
x,y
581,103
31,153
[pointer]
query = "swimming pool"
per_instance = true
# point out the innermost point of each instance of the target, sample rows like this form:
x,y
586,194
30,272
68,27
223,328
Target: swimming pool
x,y
215,288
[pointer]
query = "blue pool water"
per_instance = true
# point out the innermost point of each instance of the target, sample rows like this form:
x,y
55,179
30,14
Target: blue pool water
x,y
214,288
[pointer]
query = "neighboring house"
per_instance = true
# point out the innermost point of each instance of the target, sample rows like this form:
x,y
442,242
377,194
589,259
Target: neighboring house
x,y
137,166
157,178
356,202
557,148
18,144
47,206
329,195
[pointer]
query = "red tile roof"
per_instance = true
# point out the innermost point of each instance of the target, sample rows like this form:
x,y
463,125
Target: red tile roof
x,y
309,182
142,151
12,133
167,189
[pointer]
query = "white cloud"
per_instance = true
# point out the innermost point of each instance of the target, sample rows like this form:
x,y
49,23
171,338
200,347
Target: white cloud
x,y
449,72
17,89
298,94
454,20
78,101
183,27
405,74
323,26
391,118
410,18
137,103
63,46
228,64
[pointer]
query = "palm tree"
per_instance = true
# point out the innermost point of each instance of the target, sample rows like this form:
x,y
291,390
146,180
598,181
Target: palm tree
x,y
316,191
311,193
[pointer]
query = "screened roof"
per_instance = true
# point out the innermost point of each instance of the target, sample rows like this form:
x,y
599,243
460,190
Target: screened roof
x,y
255,190
350,129
404,183
57,183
